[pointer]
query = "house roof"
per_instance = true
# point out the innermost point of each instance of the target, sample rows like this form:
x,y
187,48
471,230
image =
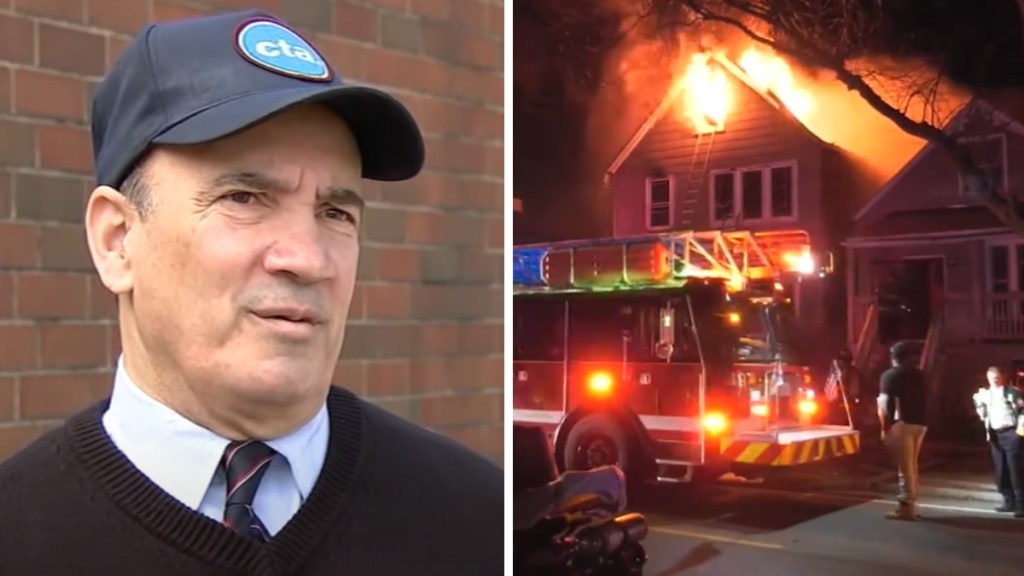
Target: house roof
x,y
673,94
951,126
929,223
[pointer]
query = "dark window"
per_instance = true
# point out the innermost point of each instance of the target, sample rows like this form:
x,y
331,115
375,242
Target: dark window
x,y
725,196
1000,273
988,156
782,191
753,195
660,203
602,327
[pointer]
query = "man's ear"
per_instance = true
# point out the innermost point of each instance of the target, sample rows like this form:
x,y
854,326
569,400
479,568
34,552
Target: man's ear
x,y
108,220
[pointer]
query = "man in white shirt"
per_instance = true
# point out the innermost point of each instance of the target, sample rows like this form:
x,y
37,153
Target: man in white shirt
x,y
1001,409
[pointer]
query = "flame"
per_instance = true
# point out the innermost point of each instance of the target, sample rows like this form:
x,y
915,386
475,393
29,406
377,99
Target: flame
x,y
770,73
706,97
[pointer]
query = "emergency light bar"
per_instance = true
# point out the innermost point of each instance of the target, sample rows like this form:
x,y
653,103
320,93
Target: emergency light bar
x,y
662,260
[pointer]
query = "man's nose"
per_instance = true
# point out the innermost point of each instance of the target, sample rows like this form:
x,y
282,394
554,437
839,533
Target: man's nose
x,y
299,249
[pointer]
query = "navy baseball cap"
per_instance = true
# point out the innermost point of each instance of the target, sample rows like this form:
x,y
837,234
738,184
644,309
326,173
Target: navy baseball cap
x,y
198,80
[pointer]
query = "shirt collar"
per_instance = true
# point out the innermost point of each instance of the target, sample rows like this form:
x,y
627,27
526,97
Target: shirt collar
x,y
182,457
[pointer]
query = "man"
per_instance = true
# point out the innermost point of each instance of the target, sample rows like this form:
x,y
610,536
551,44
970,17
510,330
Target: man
x,y
902,400
229,157
1001,409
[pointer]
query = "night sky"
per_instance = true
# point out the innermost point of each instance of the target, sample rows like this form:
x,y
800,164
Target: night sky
x,y
560,50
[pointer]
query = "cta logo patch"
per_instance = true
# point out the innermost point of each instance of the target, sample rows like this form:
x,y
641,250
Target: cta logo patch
x,y
273,46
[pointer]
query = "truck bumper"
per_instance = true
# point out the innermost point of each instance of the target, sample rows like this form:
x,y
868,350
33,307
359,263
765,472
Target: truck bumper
x,y
790,447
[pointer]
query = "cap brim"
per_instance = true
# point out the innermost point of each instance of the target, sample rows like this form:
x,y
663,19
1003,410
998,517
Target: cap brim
x,y
388,137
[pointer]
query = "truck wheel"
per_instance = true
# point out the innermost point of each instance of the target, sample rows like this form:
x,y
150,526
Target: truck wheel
x,y
598,440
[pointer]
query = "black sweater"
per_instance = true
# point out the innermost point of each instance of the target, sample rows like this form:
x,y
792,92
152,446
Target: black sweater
x,y
393,499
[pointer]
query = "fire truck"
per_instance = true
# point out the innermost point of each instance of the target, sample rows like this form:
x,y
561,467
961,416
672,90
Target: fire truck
x,y
671,355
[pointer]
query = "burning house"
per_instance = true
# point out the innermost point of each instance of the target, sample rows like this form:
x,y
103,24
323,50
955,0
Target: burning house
x,y
725,150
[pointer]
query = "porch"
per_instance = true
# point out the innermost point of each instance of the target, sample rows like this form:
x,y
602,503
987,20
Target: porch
x,y
991,317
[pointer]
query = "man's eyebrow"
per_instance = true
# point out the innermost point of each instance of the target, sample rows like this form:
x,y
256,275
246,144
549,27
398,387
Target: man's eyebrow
x,y
261,182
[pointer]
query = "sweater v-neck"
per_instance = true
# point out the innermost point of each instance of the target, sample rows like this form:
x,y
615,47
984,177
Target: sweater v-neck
x,y
208,541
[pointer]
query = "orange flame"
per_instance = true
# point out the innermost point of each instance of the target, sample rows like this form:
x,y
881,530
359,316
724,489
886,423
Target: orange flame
x,y
770,73
706,97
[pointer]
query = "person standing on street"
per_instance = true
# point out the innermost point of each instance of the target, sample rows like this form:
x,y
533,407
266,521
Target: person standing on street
x,y
902,402
230,158
1001,409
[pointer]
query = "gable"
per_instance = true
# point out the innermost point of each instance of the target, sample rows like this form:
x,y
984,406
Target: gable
x,y
746,102
930,180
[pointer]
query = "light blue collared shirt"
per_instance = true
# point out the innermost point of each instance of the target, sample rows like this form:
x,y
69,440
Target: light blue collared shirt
x,y
183,458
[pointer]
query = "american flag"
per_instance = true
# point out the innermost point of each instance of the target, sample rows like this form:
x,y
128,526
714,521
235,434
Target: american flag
x,y
833,382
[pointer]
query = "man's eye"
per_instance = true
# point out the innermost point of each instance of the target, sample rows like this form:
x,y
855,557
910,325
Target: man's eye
x,y
339,214
241,197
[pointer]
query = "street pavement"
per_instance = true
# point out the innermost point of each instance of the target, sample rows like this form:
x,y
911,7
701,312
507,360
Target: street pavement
x,y
833,525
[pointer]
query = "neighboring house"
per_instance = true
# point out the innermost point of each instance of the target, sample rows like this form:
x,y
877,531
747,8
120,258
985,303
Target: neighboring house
x,y
762,170
962,265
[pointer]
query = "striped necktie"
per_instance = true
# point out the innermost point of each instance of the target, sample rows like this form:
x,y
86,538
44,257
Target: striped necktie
x,y
244,464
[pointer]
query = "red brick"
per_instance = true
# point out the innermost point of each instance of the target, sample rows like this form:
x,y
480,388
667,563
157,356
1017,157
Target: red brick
x,y
74,345
495,232
64,248
5,196
65,148
395,69
424,228
19,349
485,338
355,21
399,5
6,398
72,51
357,308
6,295
461,409
478,50
18,245
496,20
350,375
120,16
470,373
17,147
164,11
407,408
470,12
387,301
347,58
439,339
49,95
398,264
438,9
272,6
6,89
68,10
102,302
14,438
429,374
17,39
61,395
387,378
51,296
115,45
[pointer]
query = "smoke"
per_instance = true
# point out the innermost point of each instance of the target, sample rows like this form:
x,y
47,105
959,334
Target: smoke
x,y
641,71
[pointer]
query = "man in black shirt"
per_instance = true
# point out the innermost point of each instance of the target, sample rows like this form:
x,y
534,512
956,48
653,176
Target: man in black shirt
x,y
902,399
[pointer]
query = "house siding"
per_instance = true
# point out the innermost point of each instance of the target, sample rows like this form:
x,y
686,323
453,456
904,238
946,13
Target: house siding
x,y
756,133
933,182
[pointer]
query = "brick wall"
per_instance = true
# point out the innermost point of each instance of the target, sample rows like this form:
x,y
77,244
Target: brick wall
x,y
425,337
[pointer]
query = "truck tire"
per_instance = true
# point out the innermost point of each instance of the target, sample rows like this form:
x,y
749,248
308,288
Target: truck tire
x,y
599,440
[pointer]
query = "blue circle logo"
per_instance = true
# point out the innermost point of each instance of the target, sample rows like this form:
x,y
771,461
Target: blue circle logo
x,y
271,45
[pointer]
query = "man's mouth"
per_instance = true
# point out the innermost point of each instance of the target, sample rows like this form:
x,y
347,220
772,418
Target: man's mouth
x,y
297,315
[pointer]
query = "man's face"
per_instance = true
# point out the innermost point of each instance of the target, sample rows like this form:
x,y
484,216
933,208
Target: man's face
x,y
994,378
243,272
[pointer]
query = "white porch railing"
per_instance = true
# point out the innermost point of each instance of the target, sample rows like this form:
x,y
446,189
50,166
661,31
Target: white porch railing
x,y
1004,316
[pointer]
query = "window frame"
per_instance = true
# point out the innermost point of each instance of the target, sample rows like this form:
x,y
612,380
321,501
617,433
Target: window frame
x,y
968,140
766,192
649,205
